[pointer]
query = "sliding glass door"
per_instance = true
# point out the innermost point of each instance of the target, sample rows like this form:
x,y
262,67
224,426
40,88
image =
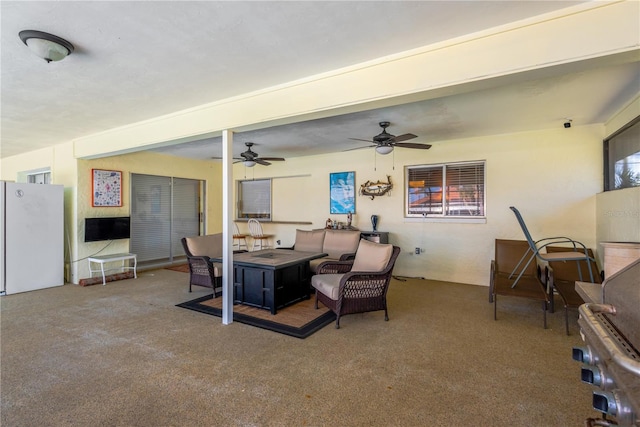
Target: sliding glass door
x,y
163,211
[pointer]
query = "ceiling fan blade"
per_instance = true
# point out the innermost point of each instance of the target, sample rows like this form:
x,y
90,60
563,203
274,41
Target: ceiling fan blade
x,y
358,139
220,158
360,148
273,159
261,162
413,145
404,137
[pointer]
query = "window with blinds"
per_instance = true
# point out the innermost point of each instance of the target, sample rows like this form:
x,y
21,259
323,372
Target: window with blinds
x,y
447,190
254,199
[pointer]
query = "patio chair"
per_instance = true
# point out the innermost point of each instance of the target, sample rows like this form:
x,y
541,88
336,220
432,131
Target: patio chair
x,y
508,255
359,285
561,279
575,252
203,272
260,239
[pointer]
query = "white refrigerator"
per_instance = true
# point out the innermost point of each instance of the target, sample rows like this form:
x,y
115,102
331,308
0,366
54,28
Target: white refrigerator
x,y
32,230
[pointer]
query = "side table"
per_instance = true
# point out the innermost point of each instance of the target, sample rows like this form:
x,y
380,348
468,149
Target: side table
x,y
102,259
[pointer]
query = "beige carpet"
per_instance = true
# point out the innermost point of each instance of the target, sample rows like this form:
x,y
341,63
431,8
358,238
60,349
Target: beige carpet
x,y
124,355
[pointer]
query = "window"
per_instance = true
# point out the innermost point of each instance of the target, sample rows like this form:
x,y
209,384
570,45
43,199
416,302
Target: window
x,y
39,178
446,190
622,158
254,199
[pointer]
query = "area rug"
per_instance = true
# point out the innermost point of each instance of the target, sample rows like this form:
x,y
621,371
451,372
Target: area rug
x,y
181,267
299,320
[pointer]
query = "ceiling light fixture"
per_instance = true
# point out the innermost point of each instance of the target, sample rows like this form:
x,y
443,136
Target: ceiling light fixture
x,y
249,163
45,45
384,149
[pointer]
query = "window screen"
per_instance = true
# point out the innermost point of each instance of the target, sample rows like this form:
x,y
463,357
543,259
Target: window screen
x,y
254,199
456,189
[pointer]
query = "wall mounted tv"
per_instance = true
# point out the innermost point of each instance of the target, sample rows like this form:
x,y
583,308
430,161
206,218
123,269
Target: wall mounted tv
x,y
98,229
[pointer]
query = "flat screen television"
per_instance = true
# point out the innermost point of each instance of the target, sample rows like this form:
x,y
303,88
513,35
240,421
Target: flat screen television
x,y
98,229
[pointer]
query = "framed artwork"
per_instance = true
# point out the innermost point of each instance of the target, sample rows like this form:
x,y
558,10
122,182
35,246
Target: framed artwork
x,y
106,188
342,190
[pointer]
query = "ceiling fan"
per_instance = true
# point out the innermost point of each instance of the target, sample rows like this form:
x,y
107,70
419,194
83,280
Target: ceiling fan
x,y
250,157
384,141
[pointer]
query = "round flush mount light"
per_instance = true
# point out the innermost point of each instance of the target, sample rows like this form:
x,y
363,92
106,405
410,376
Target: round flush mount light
x,y
384,149
45,45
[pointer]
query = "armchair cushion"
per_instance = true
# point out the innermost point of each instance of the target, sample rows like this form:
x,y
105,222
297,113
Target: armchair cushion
x,y
328,284
372,256
209,245
309,241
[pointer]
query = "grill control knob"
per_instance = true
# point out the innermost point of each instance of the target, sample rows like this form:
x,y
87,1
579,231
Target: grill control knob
x,y
605,401
611,403
594,375
584,355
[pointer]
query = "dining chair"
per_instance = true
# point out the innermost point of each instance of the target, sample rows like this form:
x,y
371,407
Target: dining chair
x,y
260,239
239,239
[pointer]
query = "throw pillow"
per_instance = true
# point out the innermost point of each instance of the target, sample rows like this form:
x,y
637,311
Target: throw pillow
x,y
309,241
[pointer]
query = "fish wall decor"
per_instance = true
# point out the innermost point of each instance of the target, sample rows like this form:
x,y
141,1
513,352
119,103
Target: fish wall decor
x,y
373,189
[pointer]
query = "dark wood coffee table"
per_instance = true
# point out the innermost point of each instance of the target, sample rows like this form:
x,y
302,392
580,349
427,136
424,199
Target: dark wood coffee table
x,y
271,278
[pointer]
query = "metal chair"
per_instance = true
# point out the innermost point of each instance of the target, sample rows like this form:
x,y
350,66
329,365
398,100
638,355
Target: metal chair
x,y
239,239
259,238
577,252
561,279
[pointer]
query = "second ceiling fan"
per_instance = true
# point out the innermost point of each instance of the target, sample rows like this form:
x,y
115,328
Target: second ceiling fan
x,y
384,142
250,157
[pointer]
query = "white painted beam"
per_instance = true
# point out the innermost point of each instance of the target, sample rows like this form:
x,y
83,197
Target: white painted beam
x,y
591,32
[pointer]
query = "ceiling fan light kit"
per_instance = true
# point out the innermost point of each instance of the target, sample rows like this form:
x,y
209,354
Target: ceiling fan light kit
x,y
45,45
385,142
250,157
384,149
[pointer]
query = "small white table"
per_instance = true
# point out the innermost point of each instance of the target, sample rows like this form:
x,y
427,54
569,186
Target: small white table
x,y
102,259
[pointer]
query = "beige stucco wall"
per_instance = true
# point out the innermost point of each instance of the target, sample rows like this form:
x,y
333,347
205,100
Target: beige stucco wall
x,y
551,176
140,163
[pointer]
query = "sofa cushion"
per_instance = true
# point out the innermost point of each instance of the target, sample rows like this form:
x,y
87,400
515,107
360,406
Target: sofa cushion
x,y
314,263
339,242
328,284
372,256
209,245
309,241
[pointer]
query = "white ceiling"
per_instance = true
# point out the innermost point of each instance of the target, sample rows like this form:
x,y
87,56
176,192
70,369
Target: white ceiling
x,y
138,60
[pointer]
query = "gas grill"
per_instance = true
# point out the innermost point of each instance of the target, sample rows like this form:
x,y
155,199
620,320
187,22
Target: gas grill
x,y
610,327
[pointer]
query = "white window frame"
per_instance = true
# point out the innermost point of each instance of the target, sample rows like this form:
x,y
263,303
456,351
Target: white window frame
x,y
260,196
40,176
444,215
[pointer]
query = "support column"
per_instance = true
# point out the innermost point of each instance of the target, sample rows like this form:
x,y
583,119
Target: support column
x,y
227,227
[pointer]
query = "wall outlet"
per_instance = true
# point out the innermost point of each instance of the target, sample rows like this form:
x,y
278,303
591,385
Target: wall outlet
x,y
417,251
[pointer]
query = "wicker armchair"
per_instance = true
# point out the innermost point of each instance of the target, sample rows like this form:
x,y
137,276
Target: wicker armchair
x,y
359,285
203,272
